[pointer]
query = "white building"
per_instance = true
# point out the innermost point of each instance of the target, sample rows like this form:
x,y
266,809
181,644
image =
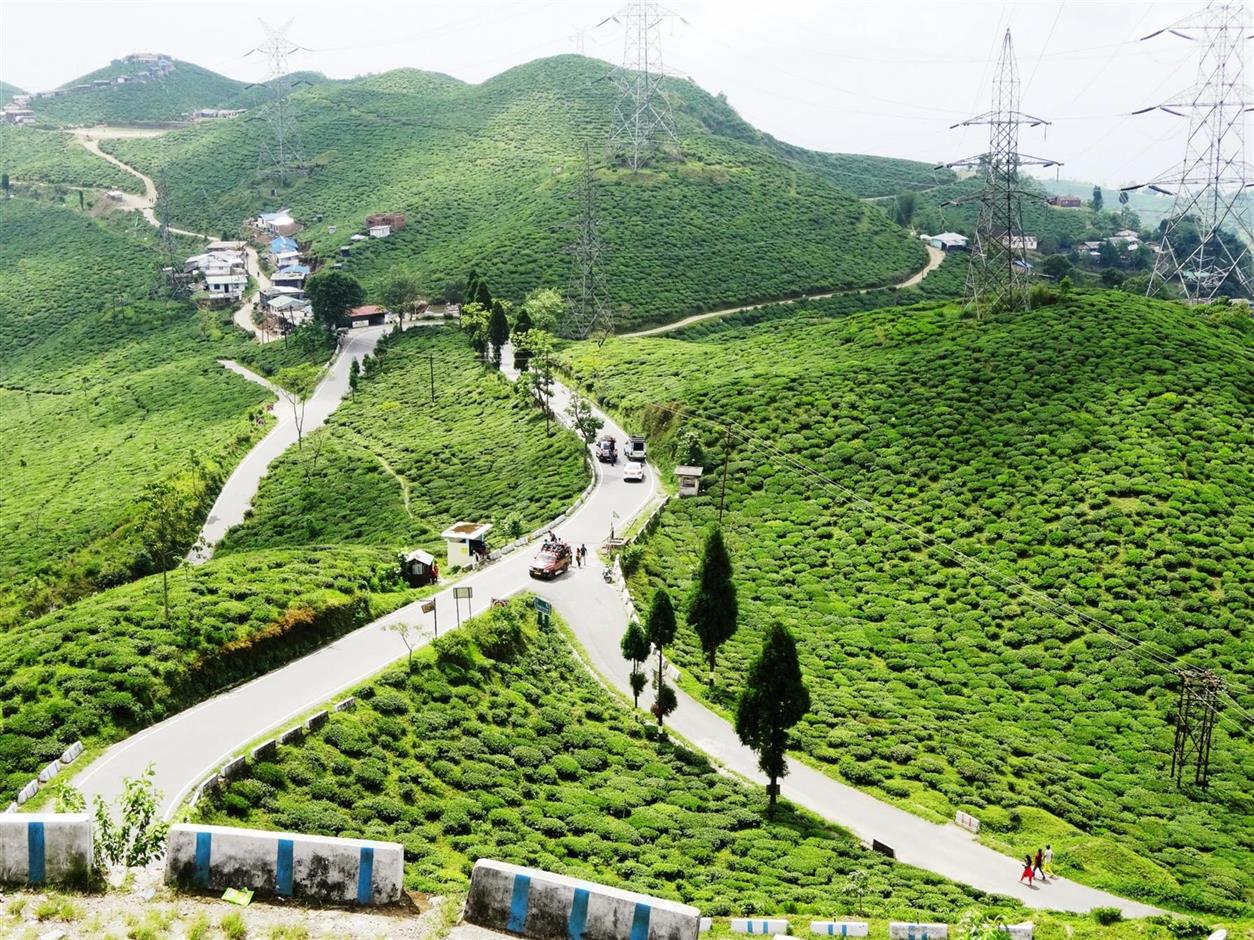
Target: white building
x,y
947,241
380,231
226,286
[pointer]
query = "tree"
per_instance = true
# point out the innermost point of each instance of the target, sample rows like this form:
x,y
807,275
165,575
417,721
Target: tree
x,y
498,330
4,183
474,323
522,324
712,609
1096,201
134,834
400,291
169,525
300,382
1112,277
773,700
454,291
584,420
635,647
333,294
477,290
903,209
660,632
1056,266
545,307
539,346
408,634
689,450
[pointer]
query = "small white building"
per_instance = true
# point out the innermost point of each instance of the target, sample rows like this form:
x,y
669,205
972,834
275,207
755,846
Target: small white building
x,y
1023,242
380,231
226,286
116,195
467,543
689,480
947,241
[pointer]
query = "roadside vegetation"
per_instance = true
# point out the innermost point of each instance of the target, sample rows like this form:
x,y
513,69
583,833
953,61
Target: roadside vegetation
x,y
1096,449
34,154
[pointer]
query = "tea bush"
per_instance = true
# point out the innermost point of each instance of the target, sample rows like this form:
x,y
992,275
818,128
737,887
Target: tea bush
x,y
31,153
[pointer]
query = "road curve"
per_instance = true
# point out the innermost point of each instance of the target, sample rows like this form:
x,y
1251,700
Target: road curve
x,y
934,258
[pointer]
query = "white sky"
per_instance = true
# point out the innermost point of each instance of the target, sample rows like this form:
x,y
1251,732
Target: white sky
x,y
885,77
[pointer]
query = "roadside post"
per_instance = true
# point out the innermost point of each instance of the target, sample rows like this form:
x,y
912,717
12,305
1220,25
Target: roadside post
x,y
458,594
543,611
428,607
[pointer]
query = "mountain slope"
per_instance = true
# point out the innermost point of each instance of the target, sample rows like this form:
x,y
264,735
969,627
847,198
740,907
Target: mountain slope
x,y
485,174
1098,450
7,91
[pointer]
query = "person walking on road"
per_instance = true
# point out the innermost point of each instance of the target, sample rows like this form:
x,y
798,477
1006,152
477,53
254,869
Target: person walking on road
x,y
1027,870
1049,861
583,555
1037,864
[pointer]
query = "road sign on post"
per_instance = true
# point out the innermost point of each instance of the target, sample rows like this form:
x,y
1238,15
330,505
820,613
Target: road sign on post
x,y
428,607
458,594
543,610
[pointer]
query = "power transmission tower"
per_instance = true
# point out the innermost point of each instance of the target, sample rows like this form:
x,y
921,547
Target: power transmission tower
x,y
1207,239
279,156
998,275
587,309
642,114
1195,720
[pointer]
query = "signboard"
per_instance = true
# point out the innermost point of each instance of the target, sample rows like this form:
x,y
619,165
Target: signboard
x,y
543,606
427,606
463,592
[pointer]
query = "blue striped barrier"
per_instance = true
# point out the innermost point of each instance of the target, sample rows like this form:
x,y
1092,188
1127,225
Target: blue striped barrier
x,y
902,930
40,848
213,858
759,925
534,903
839,928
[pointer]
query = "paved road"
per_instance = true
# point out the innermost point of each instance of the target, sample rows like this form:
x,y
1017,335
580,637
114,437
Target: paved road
x,y
294,420
934,258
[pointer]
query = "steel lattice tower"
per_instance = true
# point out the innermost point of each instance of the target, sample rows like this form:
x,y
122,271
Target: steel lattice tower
x,y
587,307
998,275
1210,184
642,114
279,156
1200,690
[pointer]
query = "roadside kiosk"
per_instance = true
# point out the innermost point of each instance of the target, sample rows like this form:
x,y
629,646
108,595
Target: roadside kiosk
x,y
689,480
467,545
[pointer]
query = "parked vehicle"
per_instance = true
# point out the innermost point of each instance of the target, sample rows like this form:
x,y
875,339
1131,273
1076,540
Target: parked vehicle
x,y
634,472
553,560
635,448
607,450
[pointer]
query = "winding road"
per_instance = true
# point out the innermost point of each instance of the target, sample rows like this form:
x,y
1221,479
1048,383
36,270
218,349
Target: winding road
x,y
187,747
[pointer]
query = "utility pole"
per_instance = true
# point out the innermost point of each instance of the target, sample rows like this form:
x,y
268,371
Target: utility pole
x,y
722,496
1206,244
642,114
587,308
431,362
997,278
1195,721
279,156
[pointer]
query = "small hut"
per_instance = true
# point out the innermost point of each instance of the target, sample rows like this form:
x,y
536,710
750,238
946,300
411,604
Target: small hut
x,y
689,480
467,543
418,568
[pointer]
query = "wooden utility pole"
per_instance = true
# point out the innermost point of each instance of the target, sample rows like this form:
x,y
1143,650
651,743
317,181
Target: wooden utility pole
x,y
722,496
431,362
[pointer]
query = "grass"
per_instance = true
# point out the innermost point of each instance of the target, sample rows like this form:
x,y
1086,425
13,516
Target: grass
x,y
1097,450
393,470
32,153
485,175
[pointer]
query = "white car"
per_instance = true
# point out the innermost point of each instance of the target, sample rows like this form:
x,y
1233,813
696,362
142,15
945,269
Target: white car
x,y
634,472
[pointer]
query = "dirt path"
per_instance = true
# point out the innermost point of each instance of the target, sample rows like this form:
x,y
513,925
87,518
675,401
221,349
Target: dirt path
x,y
934,257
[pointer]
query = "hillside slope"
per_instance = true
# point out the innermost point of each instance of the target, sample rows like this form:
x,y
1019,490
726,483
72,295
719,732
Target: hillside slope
x,y
485,174
1098,450
36,154
168,98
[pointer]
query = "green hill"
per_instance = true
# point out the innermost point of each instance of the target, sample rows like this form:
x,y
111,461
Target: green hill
x,y
35,154
7,91
485,174
1098,450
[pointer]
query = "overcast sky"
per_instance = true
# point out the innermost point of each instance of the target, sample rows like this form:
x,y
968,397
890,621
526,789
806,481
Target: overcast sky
x,y
884,77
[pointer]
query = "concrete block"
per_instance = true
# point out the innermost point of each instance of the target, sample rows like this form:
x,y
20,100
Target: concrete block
x,y
967,821
233,768
12,808
539,904
759,925
346,705
266,750
72,752
1021,931
292,735
840,928
705,924
27,792
1220,934
53,935
316,721
315,868
212,784
39,848
901,930
53,768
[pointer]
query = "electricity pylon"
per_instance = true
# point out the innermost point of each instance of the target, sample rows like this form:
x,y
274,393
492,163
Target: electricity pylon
x,y
1206,243
587,309
642,114
997,278
279,155
1195,722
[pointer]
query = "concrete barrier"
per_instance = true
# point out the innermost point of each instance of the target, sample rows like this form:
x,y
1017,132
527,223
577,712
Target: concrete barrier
x,y
233,768
540,904
759,925
840,928
967,821
316,721
72,752
36,848
12,808
45,775
1022,931
266,751
346,705
292,735
901,930
317,868
705,924
27,792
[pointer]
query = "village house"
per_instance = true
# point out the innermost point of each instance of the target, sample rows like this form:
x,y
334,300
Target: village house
x,y
1065,202
226,286
369,315
277,223
947,241
395,221
380,231
15,115
293,275
283,250
1022,242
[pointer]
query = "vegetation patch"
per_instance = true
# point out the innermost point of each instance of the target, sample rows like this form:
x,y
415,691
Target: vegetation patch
x,y
31,153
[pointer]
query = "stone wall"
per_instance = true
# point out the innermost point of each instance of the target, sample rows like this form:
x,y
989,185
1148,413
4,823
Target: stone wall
x,y
38,848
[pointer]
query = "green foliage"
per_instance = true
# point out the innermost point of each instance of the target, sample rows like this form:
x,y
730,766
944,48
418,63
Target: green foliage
x,y
529,760
660,622
130,833
1105,915
712,607
498,330
774,698
586,423
484,172
31,153
391,469
1096,449
332,294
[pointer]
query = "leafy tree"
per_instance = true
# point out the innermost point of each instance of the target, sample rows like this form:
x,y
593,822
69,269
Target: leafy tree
x,y
1096,201
169,524
498,330
132,834
454,291
1112,277
474,323
408,634
333,294
712,609
635,647
903,209
545,307
660,631
522,324
665,702
584,420
773,700
1056,266
539,346
1109,255
400,291
4,183
856,887
477,290
689,449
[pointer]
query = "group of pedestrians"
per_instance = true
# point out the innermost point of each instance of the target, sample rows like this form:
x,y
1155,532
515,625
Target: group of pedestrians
x,y
1041,865
581,556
